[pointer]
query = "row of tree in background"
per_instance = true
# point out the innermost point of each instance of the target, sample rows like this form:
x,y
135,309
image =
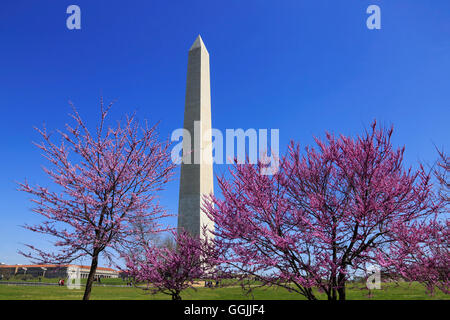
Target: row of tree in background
x,y
328,213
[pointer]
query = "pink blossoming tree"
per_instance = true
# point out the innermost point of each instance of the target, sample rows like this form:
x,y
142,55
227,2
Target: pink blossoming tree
x,y
442,175
324,215
422,250
170,270
106,184
421,253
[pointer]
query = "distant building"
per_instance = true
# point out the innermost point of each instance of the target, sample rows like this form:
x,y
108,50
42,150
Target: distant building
x,y
54,271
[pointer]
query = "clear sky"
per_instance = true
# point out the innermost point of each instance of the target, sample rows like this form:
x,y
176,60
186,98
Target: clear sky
x,y
300,66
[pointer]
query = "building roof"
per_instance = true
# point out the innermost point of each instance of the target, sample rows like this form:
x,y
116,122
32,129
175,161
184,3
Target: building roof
x,y
54,266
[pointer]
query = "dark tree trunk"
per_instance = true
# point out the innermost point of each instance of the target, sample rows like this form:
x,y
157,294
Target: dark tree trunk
x,y
341,292
176,296
90,279
310,295
333,291
341,288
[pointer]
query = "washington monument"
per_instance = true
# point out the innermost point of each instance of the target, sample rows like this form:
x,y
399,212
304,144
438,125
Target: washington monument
x,y
196,178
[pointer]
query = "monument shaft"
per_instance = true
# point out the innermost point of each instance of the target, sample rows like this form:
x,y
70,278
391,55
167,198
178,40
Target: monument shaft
x,y
196,178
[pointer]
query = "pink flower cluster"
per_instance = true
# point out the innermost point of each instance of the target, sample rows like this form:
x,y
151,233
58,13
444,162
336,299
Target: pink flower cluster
x,y
172,270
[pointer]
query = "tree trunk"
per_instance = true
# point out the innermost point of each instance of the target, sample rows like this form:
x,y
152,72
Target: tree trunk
x,y
333,295
90,279
310,295
341,292
333,291
341,288
176,296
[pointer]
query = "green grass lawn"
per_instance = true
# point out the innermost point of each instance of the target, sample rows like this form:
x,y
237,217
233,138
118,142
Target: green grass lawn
x,y
389,291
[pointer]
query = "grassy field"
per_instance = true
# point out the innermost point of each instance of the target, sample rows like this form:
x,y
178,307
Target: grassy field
x,y
389,291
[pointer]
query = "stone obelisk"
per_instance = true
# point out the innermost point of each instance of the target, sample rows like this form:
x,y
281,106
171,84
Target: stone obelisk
x,y
196,178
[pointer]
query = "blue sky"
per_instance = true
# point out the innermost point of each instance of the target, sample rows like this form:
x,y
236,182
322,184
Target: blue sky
x,y
299,66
